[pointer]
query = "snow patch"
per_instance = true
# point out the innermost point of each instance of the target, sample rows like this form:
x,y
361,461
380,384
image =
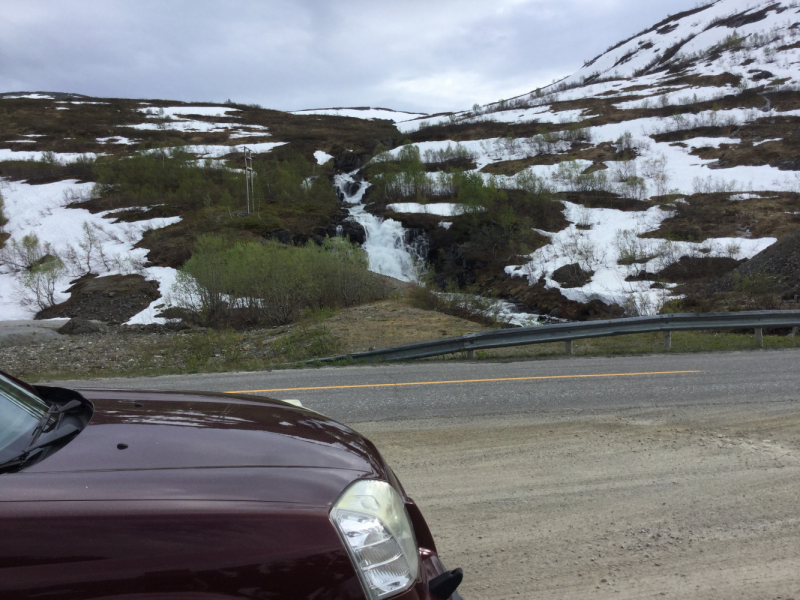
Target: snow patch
x,y
62,157
116,139
219,151
44,211
30,97
322,157
358,113
613,235
166,277
176,111
442,209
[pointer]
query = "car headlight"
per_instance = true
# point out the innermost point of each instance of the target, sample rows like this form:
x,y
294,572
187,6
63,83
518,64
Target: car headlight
x,y
373,522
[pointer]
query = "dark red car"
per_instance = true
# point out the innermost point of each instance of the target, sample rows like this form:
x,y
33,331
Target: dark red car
x,y
167,496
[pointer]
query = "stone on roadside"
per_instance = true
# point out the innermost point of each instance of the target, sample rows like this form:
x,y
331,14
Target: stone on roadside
x,y
80,326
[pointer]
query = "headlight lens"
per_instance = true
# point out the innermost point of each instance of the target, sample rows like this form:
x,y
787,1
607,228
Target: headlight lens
x,y
372,520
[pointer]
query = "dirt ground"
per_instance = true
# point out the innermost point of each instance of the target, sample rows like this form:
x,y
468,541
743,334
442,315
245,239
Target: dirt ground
x,y
678,503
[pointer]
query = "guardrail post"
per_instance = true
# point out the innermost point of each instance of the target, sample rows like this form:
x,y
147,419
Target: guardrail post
x,y
668,340
794,335
568,347
470,354
760,337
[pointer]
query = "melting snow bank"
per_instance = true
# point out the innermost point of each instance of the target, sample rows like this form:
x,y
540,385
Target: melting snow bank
x,y
172,112
165,277
43,210
219,151
322,157
442,209
60,157
386,239
501,311
613,237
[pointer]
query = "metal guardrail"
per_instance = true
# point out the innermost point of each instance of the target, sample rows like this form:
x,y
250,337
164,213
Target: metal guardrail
x,y
567,332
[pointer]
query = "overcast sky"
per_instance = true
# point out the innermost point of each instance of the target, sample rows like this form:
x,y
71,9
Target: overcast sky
x,y
414,55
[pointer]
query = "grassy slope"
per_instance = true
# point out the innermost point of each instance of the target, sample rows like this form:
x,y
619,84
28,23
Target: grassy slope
x,y
378,325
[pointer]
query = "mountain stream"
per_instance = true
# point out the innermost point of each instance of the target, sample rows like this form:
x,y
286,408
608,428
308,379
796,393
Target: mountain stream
x,y
393,252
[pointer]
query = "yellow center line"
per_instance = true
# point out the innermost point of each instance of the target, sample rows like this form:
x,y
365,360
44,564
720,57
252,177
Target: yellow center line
x,y
374,385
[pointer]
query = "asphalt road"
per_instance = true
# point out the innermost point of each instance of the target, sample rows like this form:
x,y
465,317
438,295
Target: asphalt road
x,y
459,388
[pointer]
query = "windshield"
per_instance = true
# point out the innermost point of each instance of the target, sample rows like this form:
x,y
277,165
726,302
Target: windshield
x,y
20,413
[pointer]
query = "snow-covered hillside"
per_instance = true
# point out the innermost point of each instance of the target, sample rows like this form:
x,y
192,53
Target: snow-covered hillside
x,y
678,142
703,102
101,243
750,32
756,43
97,243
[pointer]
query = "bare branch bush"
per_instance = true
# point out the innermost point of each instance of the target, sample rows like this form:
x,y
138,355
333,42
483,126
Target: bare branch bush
x,y
38,285
655,169
90,254
570,175
714,185
528,181
627,181
26,253
578,248
638,303
72,196
450,153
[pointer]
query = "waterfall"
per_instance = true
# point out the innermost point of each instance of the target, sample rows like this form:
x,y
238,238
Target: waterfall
x,y
386,244
393,250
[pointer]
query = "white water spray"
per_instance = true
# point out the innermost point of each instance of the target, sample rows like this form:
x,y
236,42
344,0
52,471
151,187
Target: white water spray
x,y
385,244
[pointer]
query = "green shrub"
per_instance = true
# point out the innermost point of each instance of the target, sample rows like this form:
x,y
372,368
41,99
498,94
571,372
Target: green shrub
x,y
166,176
477,197
251,283
451,153
26,254
47,169
758,291
39,284
174,177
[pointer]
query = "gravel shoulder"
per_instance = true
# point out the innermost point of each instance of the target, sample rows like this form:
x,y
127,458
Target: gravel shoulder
x,y
689,502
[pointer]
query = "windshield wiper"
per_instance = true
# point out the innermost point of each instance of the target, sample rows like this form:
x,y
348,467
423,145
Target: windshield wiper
x,y
37,431
23,458
52,436
40,440
37,446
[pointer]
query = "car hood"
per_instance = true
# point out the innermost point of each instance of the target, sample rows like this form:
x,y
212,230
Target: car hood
x,y
190,446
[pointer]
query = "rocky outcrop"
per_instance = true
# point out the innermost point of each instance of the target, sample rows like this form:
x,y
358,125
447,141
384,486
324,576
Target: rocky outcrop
x,y
781,262
571,276
115,299
81,326
697,268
